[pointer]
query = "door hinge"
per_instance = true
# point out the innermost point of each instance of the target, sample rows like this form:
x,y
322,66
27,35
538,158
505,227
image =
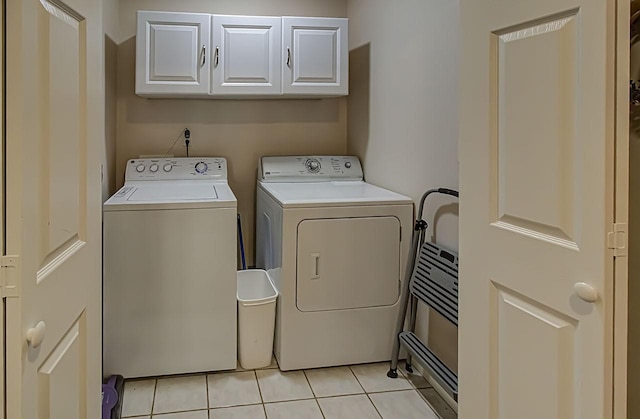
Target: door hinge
x,y
9,276
617,239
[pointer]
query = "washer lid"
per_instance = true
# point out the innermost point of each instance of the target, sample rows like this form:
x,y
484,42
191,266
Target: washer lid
x,y
325,194
171,195
189,192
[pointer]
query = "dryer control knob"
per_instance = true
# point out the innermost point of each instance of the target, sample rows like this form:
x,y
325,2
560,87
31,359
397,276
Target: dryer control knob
x,y
167,167
348,165
201,167
153,168
140,168
313,165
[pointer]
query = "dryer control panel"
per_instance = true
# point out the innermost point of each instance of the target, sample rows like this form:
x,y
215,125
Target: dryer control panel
x,y
309,169
177,168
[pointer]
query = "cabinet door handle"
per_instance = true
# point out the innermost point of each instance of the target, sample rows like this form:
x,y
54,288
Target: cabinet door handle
x,y
217,57
288,57
204,54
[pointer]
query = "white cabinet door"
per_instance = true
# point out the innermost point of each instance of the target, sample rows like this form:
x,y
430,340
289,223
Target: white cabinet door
x,y
246,55
172,53
315,56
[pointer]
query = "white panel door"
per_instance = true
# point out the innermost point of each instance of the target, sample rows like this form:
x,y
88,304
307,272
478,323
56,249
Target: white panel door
x,y
172,53
246,56
315,55
536,165
348,263
55,125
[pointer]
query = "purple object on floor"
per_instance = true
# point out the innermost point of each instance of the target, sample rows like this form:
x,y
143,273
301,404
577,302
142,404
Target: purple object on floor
x,y
109,397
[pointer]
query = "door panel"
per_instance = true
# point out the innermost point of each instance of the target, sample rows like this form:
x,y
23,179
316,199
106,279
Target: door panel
x,y
62,390
173,52
55,117
247,55
538,342
347,263
535,150
538,64
60,169
314,56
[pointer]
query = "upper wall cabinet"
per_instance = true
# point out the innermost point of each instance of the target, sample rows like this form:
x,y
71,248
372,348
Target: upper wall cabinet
x,y
172,53
247,55
218,56
316,56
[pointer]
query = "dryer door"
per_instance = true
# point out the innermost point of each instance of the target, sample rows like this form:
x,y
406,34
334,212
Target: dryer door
x,y
348,263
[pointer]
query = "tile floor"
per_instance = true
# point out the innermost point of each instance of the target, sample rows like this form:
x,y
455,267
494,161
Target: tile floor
x,y
356,392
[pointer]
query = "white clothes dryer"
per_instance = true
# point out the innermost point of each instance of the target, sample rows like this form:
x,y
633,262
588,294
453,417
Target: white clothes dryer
x,y
336,248
170,269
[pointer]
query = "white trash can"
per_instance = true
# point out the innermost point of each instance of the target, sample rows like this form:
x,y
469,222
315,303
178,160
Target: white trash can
x,y
256,318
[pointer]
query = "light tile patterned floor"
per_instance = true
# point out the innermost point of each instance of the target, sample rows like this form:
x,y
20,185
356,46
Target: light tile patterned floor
x,y
356,392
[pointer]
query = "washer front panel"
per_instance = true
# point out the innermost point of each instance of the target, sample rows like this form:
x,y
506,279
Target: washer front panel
x,y
178,168
309,168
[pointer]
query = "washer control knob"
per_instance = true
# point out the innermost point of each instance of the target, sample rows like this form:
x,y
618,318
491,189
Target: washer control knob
x,y
167,167
348,165
313,165
201,167
153,168
140,168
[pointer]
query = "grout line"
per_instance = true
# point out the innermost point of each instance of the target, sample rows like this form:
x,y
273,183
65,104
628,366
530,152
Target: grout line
x,y
255,374
320,409
332,396
290,400
315,398
357,379
393,391
304,372
365,392
264,409
153,401
374,405
206,384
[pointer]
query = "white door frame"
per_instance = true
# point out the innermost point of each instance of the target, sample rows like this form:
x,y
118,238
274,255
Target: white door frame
x,y
2,142
621,210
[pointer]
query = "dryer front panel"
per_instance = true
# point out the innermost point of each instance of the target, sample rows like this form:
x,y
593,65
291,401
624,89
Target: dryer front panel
x,y
348,263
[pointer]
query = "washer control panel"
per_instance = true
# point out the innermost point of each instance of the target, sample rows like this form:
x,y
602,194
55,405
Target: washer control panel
x,y
177,168
309,168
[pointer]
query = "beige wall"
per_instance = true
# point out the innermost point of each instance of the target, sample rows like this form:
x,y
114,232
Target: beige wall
x,y
402,113
326,8
240,130
110,28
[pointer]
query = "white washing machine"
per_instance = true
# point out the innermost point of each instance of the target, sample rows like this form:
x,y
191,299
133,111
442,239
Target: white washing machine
x,y
336,248
170,269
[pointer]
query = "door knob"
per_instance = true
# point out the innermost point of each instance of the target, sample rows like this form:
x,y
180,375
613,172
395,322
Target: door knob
x,y
586,292
35,335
